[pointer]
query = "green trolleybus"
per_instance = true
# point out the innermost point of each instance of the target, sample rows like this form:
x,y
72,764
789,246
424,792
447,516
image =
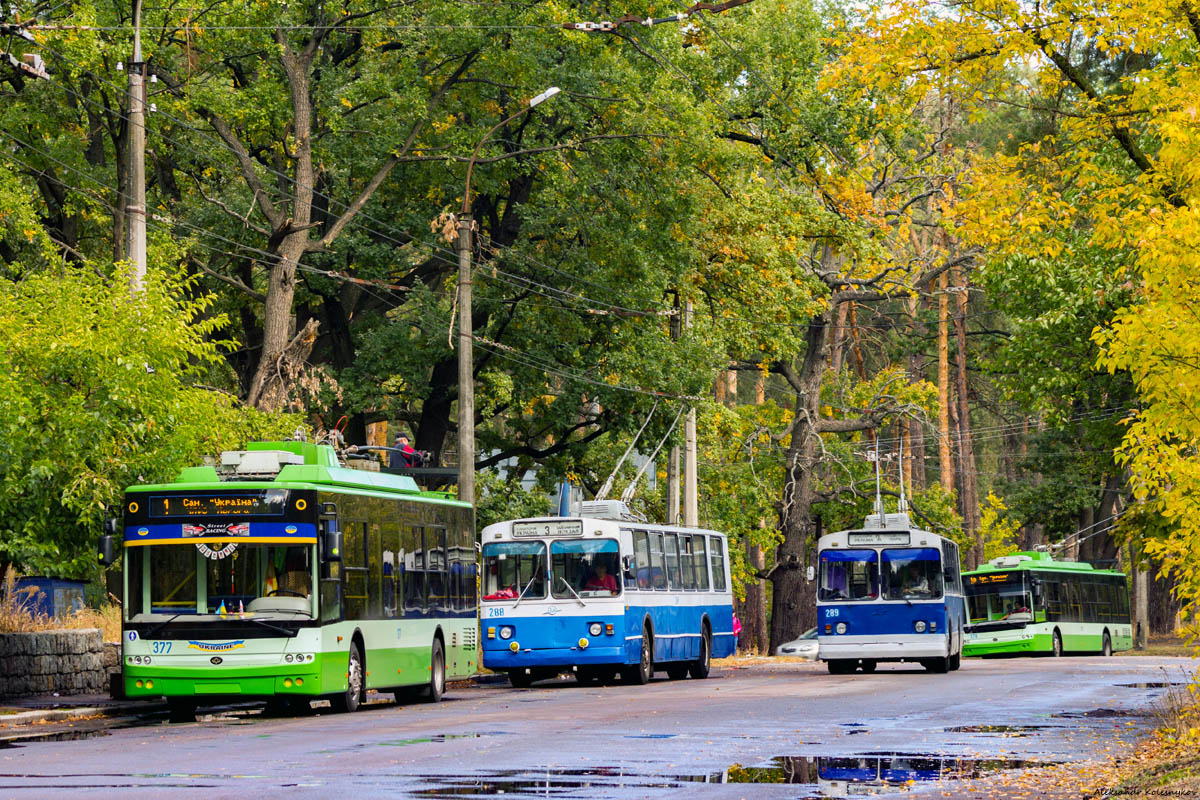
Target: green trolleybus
x,y
1029,603
281,574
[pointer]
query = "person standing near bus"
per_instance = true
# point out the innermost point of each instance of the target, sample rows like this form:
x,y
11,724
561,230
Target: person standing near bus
x,y
407,455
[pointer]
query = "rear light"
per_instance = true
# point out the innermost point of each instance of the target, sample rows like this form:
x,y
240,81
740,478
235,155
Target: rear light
x,y
829,629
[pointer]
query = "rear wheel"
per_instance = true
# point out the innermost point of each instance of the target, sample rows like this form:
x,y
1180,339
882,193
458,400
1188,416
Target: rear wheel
x,y
640,673
1056,645
437,674
700,667
1106,648
841,666
350,699
181,709
677,672
519,678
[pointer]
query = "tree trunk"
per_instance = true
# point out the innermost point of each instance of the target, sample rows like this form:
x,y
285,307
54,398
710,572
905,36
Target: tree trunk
x,y
945,461
966,450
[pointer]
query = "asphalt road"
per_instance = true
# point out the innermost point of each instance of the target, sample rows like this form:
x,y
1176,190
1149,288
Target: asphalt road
x,y
740,733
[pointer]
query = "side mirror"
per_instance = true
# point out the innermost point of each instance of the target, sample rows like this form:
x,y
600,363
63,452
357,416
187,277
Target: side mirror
x,y
331,541
810,573
106,551
627,561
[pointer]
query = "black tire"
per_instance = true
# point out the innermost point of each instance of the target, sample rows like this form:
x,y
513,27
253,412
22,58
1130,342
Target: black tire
x,y
519,678
436,689
350,699
938,666
641,673
1106,648
587,676
700,667
868,665
955,661
676,671
181,709
841,666
1056,647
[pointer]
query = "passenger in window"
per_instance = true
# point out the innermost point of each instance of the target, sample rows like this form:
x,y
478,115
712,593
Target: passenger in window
x,y
600,580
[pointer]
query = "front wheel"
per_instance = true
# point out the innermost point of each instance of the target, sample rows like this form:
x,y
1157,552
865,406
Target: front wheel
x,y
842,666
520,679
955,661
1056,645
868,665
640,674
181,709
700,667
1106,648
349,700
937,665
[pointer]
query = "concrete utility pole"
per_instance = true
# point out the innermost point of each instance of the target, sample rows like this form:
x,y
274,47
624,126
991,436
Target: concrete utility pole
x,y
673,456
135,206
691,505
466,332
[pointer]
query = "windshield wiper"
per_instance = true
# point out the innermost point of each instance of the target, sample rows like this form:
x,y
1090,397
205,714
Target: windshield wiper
x,y
572,591
521,596
150,633
272,626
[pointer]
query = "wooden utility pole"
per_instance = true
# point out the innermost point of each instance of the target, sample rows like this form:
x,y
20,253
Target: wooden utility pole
x,y
135,202
673,456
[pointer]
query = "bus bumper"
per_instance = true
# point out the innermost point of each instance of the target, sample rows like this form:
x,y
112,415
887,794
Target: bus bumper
x,y
982,644
248,682
911,648
552,657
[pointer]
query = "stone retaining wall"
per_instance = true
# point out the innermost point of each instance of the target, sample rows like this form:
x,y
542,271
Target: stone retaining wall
x,y
44,662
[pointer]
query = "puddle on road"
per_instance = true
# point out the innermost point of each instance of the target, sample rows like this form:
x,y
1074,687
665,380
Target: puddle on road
x,y
1152,685
812,777
1000,730
437,738
57,736
1095,713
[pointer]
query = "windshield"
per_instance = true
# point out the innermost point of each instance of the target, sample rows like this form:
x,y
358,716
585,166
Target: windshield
x,y
586,568
849,575
912,573
1009,600
514,569
219,579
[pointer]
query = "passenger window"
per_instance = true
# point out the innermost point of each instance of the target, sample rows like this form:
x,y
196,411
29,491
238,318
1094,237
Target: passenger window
x,y
687,564
700,559
641,559
716,557
658,574
672,561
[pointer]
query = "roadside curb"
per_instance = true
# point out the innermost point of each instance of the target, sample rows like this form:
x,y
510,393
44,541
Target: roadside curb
x,y
42,715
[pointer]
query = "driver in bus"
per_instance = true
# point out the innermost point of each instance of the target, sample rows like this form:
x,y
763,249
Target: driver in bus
x,y
916,582
600,580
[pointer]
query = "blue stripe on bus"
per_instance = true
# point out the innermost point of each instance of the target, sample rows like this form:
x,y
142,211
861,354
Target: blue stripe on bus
x,y
875,618
553,641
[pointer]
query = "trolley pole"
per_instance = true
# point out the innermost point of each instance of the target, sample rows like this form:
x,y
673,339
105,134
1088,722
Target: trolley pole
x,y
135,205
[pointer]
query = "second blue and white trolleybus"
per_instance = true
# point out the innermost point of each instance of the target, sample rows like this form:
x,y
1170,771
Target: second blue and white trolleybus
x,y
889,592
600,594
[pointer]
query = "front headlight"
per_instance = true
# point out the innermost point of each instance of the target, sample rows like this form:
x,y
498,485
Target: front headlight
x,y
595,629
919,626
506,632
288,658
840,627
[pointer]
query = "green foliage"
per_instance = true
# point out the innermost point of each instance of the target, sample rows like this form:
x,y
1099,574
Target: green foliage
x,y
95,394
997,529
505,499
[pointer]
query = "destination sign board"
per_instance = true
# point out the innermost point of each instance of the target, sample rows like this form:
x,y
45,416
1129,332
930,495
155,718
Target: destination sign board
x,y
893,537
218,505
995,577
548,528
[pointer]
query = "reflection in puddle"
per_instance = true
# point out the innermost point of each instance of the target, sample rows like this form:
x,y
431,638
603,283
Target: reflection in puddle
x,y
436,738
60,736
1094,713
1001,730
1158,685
812,777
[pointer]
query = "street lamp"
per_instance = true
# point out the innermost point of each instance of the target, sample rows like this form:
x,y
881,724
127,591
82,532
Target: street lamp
x,y
466,356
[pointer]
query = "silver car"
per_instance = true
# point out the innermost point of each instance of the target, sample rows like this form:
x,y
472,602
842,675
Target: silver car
x,y
805,647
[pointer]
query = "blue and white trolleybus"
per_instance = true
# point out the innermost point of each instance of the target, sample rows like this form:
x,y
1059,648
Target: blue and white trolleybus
x,y
600,594
889,592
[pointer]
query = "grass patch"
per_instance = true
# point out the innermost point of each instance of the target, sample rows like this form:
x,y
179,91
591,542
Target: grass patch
x,y
1171,646
17,613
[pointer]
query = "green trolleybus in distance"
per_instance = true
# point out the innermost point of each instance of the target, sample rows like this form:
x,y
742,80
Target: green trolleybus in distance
x,y
281,574
1028,603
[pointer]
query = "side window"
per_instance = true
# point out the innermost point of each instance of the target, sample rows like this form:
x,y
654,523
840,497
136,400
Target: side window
x,y
437,576
390,544
700,559
672,550
950,567
354,567
716,557
412,571
641,560
658,571
687,563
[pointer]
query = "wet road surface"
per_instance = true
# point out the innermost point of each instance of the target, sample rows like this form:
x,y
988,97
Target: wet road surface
x,y
764,730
